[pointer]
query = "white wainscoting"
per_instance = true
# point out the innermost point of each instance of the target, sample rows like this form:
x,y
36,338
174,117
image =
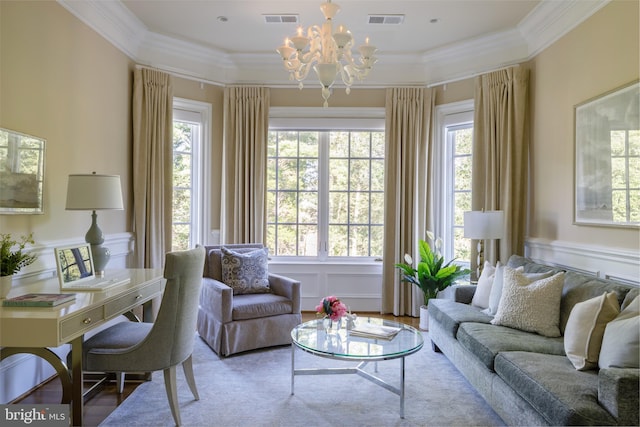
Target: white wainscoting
x,y
622,265
359,286
22,372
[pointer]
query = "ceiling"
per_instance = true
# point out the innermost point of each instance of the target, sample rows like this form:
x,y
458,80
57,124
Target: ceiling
x,y
438,40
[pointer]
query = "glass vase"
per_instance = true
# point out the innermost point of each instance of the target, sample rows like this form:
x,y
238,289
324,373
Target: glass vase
x,y
331,327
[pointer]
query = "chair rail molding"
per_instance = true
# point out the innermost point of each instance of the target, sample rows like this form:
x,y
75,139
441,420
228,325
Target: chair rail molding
x,y
604,262
359,286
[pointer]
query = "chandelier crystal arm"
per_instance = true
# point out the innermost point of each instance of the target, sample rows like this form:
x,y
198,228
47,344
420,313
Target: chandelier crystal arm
x,y
327,52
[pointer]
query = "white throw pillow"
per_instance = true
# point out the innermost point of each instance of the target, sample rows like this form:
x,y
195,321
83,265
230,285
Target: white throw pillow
x,y
621,341
483,288
247,272
530,305
496,289
585,329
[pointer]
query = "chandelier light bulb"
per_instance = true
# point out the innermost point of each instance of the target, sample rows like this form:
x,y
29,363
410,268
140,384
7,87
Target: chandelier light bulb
x,y
328,53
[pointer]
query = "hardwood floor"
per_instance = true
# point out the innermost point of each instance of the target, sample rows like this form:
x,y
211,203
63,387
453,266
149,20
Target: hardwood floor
x,y
97,408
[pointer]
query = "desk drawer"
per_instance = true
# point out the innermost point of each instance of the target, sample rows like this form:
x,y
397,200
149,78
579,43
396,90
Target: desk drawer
x,y
132,299
81,323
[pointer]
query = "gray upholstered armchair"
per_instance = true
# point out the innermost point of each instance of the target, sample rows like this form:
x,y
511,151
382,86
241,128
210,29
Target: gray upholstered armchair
x,y
234,323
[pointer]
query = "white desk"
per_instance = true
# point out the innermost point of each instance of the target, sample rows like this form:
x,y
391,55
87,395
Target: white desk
x,y
33,329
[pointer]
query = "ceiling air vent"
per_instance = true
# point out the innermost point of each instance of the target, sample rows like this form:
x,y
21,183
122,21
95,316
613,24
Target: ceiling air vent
x,y
281,19
386,19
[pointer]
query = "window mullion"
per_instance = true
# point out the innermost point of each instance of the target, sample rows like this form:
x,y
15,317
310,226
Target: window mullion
x,y
323,195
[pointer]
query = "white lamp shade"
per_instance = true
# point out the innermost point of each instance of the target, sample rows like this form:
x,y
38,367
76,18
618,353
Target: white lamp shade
x,y
480,225
94,192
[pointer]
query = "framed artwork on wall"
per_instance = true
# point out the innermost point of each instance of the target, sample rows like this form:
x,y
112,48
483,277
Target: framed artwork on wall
x,y
21,173
607,159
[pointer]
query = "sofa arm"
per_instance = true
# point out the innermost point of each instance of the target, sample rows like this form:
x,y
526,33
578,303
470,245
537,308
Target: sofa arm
x,y
216,298
618,393
287,287
458,293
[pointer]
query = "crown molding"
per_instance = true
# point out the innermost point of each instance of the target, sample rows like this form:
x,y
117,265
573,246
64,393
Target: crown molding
x,y
545,24
551,20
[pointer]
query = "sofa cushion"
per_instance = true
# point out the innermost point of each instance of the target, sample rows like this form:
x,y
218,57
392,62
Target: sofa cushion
x,y
585,329
580,287
246,273
621,340
530,305
485,341
550,384
253,306
530,266
450,314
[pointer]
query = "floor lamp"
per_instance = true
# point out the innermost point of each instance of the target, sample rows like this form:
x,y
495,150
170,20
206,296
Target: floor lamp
x,y
481,225
95,192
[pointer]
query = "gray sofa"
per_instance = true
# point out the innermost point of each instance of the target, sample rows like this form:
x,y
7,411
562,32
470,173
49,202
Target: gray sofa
x,y
525,377
231,323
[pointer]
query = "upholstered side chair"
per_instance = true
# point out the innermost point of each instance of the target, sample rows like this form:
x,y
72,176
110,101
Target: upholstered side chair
x,y
236,323
162,345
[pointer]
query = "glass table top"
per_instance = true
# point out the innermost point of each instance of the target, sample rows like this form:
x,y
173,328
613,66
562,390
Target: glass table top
x,y
342,344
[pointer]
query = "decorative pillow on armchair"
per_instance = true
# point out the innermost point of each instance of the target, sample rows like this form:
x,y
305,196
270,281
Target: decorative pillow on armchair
x,y
247,272
530,305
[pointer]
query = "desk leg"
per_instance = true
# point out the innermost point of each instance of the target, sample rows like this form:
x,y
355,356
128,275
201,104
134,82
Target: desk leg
x,y
77,401
54,361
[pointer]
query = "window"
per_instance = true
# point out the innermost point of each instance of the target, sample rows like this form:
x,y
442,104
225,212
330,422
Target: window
x,y
455,122
325,192
625,175
190,126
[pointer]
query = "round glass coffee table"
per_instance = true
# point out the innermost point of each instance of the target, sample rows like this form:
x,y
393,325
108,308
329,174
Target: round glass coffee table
x,y
371,340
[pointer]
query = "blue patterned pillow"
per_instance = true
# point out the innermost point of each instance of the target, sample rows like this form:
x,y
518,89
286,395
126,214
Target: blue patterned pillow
x,y
246,272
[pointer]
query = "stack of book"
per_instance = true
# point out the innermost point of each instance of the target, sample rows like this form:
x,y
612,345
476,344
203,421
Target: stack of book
x,y
371,330
38,300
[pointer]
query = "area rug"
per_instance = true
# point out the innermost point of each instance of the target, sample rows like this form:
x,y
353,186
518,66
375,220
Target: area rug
x,y
254,389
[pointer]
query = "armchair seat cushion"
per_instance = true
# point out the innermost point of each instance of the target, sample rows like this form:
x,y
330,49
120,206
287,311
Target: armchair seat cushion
x,y
253,306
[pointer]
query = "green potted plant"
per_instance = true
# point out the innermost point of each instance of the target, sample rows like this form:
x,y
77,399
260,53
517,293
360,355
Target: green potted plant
x,y
431,275
12,259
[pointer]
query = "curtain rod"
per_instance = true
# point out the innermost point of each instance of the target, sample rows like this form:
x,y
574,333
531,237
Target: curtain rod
x,y
468,76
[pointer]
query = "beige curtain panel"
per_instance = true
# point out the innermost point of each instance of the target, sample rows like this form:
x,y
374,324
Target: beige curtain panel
x,y
152,166
408,191
501,156
244,165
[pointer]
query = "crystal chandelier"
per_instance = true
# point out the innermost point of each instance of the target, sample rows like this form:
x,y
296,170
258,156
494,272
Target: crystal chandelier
x,y
328,53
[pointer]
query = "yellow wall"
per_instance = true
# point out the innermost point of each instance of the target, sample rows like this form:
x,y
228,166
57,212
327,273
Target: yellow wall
x,y
596,57
61,81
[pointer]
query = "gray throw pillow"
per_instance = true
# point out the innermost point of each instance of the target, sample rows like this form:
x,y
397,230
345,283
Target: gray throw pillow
x,y
246,273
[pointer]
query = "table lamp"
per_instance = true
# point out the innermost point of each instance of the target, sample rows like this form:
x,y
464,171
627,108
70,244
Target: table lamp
x,y
94,192
481,225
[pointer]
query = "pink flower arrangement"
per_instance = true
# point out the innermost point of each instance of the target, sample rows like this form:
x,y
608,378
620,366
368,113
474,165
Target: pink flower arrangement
x,y
331,307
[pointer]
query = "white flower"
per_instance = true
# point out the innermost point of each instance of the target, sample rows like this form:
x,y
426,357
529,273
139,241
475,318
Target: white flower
x,y
408,259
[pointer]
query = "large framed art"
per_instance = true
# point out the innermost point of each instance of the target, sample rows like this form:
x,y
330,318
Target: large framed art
x,y
607,159
21,173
